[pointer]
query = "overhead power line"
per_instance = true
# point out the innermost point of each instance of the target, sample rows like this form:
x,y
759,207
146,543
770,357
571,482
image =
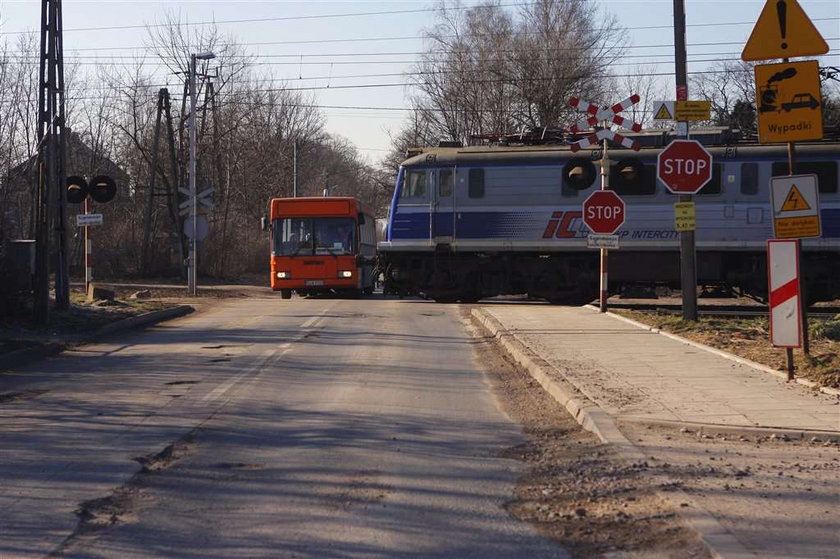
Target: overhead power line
x,y
362,14
274,19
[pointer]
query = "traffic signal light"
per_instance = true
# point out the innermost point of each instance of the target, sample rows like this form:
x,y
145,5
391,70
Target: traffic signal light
x,y
101,188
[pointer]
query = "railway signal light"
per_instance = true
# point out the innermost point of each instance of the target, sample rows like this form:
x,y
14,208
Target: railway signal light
x,y
77,189
101,188
579,173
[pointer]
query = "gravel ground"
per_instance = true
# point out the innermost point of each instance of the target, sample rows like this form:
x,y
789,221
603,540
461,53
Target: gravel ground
x,y
780,498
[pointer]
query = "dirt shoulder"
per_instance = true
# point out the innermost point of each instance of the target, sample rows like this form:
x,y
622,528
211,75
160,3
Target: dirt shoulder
x,y
750,338
577,490
74,324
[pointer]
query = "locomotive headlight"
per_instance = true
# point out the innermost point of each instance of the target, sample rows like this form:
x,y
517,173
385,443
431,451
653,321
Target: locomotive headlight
x,y
284,275
345,274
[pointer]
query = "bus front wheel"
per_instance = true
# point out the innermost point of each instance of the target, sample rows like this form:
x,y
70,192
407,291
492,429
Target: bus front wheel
x,y
285,293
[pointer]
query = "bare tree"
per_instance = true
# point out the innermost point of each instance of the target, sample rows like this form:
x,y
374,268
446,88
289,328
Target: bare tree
x,y
487,71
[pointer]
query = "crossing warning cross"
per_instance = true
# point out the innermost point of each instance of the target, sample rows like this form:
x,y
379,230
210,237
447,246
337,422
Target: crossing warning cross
x,y
609,114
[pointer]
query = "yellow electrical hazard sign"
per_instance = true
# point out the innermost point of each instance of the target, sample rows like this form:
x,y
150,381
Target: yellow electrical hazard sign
x,y
783,30
796,206
789,102
795,201
662,113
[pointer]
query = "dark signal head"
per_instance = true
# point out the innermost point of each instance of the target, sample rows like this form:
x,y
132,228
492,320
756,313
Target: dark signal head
x,y
77,189
102,188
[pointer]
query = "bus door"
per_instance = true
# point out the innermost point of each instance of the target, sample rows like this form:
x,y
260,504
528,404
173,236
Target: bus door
x,y
443,206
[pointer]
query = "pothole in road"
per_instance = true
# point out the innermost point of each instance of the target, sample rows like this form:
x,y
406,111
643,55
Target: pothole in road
x,y
158,461
238,466
179,382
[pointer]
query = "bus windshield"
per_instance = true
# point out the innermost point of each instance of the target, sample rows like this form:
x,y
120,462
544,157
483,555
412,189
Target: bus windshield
x,y
319,235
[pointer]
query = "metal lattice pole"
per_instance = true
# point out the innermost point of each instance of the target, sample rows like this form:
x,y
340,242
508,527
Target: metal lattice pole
x,y
52,197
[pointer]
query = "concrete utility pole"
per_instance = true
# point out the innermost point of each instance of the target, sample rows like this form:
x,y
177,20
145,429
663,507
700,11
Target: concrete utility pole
x,y
294,171
688,257
192,273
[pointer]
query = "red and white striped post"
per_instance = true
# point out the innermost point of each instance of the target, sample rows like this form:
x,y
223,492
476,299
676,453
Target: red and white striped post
x,y
784,296
88,251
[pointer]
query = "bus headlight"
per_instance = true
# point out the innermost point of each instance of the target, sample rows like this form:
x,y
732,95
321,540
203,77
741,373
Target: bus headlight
x,y
345,274
283,275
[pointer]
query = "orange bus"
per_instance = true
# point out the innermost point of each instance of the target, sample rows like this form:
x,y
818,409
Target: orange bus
x,y
321,245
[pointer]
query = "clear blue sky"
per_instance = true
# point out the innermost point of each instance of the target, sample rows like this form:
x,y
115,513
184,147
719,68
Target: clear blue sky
x,y
344,49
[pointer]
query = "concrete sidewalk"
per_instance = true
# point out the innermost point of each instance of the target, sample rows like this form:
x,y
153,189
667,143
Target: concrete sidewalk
x,y
634,374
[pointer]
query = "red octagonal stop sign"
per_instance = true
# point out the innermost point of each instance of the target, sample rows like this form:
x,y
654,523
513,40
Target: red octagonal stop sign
x,y
603,212
684,166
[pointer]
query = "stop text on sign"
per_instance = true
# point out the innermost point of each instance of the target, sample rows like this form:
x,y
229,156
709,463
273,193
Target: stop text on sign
x,y
676,166
604,212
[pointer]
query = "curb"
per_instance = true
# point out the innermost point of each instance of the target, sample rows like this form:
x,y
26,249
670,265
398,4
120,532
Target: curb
x,y
719,352
717,430
25,356
719,541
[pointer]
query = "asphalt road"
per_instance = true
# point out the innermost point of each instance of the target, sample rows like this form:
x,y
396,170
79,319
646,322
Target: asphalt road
x,y
266,428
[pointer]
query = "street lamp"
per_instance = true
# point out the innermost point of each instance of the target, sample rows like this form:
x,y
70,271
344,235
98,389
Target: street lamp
x,y
192,271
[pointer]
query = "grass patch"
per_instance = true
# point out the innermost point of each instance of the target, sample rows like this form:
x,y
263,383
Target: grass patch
x,y
750,338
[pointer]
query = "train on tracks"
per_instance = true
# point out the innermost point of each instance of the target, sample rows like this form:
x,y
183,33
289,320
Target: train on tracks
x,y
472,222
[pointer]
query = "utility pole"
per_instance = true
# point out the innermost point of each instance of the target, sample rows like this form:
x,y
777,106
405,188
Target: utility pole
x,y
688,256
294,171
193,268
52,196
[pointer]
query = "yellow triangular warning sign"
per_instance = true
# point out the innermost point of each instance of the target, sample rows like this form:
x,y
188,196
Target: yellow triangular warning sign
x,y
662,113
783,30
794,201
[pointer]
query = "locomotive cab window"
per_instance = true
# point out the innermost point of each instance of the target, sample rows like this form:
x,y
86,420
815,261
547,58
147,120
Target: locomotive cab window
x,y
414,185
445,181
713,187
476,183
749,178
826,172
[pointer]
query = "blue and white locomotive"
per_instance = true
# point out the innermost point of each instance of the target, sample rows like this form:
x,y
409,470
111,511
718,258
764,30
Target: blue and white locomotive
x,y
473,222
